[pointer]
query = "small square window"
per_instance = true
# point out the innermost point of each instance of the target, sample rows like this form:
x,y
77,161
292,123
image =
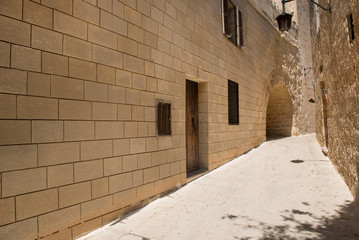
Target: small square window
x,y
232,22
163,118
233,107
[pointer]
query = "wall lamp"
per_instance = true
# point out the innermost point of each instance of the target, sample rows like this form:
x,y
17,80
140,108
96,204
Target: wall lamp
x,y
285,19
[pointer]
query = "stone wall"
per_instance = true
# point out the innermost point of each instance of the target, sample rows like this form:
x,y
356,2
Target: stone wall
x,y
79,81
335,65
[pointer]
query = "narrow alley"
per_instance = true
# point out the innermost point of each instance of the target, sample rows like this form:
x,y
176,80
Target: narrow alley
x,y
284,189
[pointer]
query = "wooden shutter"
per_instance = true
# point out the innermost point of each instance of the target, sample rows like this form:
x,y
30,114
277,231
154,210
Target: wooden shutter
x,y
240,28
233,108
164,118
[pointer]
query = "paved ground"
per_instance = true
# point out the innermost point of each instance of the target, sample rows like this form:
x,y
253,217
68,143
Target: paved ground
x,y
284,189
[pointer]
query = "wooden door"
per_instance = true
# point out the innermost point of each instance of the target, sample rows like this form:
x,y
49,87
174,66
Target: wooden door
x,y
192,129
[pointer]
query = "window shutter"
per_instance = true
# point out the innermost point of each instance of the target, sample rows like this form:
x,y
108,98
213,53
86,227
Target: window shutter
x,y
240,27
223,19
237,29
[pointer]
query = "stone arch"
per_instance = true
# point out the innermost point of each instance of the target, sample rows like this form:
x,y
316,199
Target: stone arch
x,y
279,105
279,117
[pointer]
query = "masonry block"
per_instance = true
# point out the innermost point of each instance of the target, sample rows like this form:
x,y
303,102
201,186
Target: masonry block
x,y
61,5
86,227
124,112
139,81
63,87
79,130
118,9
25,58
58,220
96,149
55,64
73,194
11,8
47,131
129,163
86,12
150,114
14,31
136,33
4,54
7,106
82,69
145,191
120,182
18,157
34,204
127,45
138,113
36,108
60,175
112,166
121,147
23,181
7,209
131,129
125,198
109,130
123,78
102,37
77,48
26,229
105,4
14,132
116,94
106,74
37,14
133,96
159,158
96,92
47,40
137,145
57,153
70,25
138,178
88,170
96,207
99,187
164,171
133,64
75,110
107,56
113,23
38,84
142,129
61,235
175,168
151,144
104,111
144,160
151,174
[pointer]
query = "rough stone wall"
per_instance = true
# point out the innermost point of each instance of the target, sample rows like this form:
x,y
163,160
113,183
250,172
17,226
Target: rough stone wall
x,y
79,81
335,65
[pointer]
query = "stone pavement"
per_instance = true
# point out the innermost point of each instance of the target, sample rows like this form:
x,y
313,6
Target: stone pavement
x,y
284,189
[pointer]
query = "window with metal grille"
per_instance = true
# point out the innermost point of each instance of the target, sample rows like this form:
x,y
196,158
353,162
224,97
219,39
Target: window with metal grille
x,y
163,118
351,28
232,22
233,108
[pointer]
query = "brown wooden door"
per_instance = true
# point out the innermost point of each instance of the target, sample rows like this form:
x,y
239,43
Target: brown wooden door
x,y
192,125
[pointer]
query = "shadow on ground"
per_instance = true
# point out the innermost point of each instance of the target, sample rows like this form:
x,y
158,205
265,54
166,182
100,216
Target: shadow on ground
x,y
345,225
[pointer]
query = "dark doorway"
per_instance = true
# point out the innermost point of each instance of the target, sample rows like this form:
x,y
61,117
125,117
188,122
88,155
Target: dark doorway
x,y
192,128
325,112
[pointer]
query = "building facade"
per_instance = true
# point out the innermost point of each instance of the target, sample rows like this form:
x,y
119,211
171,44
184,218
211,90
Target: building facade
x,y
335,65
107,104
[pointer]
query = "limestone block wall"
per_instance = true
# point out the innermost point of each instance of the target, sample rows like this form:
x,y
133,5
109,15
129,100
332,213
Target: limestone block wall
x,y
335,60
79,82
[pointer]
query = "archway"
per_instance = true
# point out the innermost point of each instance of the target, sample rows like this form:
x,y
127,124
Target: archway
x,y
279,119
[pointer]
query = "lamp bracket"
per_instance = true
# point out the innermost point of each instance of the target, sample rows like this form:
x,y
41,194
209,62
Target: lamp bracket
x,y
326,9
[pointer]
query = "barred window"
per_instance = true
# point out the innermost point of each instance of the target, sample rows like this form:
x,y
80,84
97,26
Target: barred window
x,y
163,118
233,107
